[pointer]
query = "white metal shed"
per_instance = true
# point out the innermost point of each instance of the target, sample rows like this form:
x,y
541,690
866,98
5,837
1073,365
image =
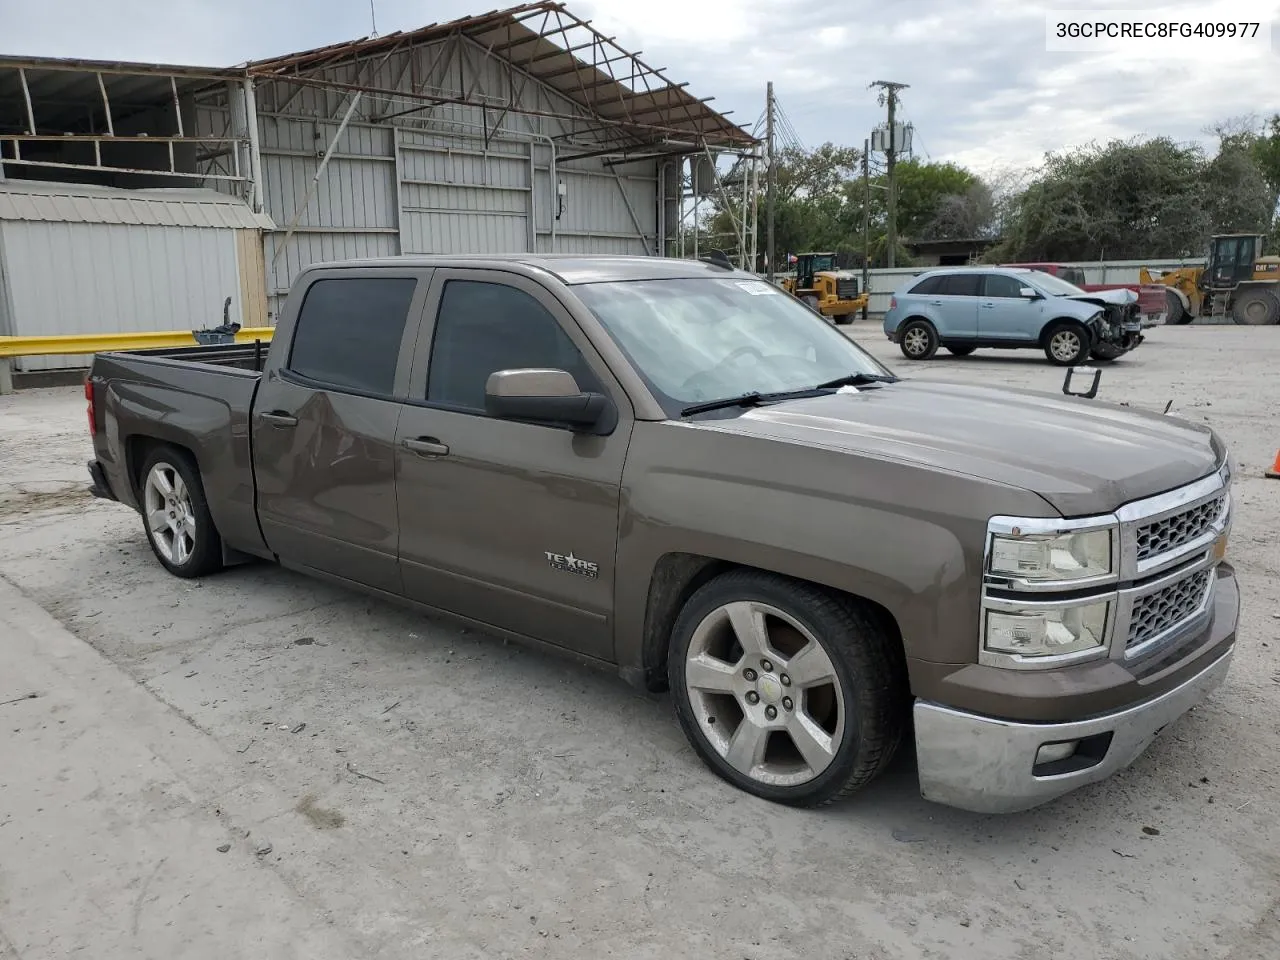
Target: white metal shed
x,y
76,258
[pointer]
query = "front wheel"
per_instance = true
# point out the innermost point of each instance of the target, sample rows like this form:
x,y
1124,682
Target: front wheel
x,y
176,515
785,691
1067,344
919,341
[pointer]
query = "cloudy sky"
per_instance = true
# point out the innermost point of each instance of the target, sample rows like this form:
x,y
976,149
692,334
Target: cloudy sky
x,y
984,90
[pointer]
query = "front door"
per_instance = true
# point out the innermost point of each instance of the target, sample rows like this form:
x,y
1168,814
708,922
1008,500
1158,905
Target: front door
x,y
324,425
511,524
1003,312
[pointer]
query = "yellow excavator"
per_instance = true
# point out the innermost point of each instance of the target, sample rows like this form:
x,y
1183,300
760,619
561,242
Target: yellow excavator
x,y
1236,280
831,292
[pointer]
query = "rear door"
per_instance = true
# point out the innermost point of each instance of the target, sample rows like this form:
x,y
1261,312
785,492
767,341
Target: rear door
x,y
1003,313
956,304
512,524
324,424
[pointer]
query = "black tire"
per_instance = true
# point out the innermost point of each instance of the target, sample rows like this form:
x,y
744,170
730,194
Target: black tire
x,y
920,336
1255,307
1177,314
1059,335
205,553
868,666
961,351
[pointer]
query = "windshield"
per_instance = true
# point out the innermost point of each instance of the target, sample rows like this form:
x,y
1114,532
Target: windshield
x,y
1054,285
709,339
823,261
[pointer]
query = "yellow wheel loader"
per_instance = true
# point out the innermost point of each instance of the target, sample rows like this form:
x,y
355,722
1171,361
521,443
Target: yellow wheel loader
x,y
1235,281
831,292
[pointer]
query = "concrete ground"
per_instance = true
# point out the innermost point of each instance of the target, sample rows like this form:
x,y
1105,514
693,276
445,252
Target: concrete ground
x,y
425,791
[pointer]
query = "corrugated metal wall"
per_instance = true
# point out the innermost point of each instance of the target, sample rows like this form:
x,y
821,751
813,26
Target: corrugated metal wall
x,y
66,278
430,181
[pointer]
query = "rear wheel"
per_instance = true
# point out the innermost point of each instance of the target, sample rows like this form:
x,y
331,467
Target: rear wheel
x,y
1176,314
960,351
1066,344
919,341
176,515
1256,308
785,691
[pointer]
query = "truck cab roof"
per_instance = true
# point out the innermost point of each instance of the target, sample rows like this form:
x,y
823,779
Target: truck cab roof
x,y
567,267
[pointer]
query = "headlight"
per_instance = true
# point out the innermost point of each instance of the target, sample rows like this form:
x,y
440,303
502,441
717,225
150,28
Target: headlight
x,y
1053,556
1047,632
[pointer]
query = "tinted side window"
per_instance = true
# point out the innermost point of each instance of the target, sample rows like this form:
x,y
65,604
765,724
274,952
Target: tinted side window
x,y
962,285
928,285
485,327
1073,275
999,285
349,332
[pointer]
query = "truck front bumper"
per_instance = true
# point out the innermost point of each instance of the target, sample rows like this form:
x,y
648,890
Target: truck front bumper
x,y
989,765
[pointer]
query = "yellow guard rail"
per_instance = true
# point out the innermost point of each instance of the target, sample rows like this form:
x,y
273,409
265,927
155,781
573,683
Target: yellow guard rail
x,y
103,342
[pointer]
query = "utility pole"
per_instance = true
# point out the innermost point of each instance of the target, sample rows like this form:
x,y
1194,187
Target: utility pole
x,y
771,179
889,94
866,220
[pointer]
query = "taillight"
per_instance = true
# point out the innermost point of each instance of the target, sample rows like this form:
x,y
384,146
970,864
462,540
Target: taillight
x,y
893,302
93,414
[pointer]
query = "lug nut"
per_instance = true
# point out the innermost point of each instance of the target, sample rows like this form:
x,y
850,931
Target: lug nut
x,y
753,697
786,703
768,667
771,712
749,674
786,681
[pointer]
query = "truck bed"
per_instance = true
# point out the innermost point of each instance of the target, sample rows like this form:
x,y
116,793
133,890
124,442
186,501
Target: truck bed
x,y
198,399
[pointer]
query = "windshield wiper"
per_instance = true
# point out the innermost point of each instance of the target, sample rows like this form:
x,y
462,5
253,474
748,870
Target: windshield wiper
x,y
752,399
856,380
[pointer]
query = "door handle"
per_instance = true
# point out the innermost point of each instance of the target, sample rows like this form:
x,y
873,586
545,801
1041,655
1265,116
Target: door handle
x,y
988,306
426,447
278,418
935,303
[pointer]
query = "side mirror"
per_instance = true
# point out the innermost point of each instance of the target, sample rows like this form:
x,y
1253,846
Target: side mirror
x,y
1029,293
543,396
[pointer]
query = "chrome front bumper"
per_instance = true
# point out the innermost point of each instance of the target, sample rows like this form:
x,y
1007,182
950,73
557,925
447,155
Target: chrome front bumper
x,y
986,765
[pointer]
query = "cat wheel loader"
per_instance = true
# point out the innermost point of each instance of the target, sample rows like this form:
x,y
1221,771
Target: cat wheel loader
x,y
1235,281
831,292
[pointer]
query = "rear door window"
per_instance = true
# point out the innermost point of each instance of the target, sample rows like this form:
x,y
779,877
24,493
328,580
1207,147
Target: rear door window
x,y
349,332
962,285
927,285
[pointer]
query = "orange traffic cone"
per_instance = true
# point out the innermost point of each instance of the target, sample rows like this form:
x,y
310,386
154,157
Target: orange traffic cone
x,y
1274,472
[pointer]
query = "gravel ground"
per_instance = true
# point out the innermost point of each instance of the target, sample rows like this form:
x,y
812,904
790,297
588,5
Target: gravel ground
x,y
453,796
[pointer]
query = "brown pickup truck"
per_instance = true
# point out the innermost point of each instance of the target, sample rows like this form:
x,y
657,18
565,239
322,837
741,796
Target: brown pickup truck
x,y
674,469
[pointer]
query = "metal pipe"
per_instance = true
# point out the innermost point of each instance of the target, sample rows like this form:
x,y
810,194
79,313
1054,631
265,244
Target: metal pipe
x,y
26,95
106,105
177,104
662,208
255,146
315,181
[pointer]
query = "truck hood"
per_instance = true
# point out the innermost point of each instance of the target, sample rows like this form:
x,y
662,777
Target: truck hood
x,y
1082,456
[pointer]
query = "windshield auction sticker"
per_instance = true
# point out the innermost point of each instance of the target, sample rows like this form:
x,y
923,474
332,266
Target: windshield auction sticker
x,y
757,288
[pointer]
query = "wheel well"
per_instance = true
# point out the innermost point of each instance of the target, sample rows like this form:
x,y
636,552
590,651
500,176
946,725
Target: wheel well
x,y
678,576
136,450
1058,323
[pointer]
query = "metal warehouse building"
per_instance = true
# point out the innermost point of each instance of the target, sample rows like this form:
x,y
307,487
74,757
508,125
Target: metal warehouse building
x,y
519,130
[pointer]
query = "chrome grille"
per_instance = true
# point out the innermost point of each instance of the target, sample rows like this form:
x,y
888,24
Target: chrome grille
x,y
1157,612
846,289
1161,536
